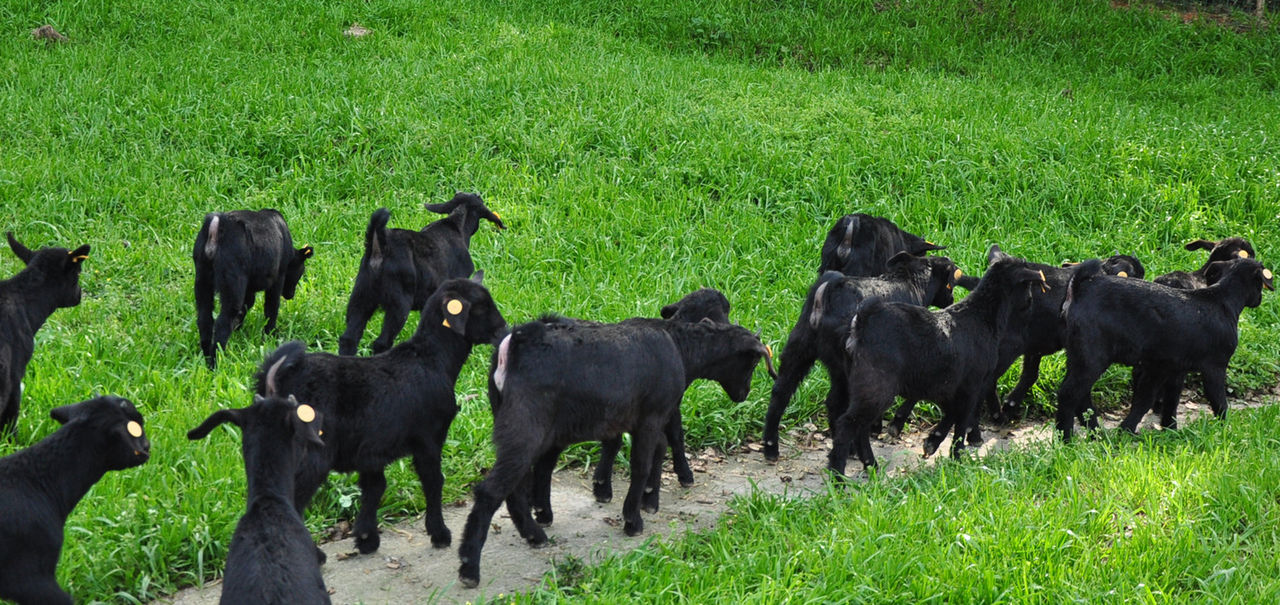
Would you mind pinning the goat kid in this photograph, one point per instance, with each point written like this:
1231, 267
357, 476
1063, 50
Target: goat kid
401, 267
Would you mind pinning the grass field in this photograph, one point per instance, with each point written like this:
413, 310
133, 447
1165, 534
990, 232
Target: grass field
637, 151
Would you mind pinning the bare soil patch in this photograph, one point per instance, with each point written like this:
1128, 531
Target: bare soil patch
406, 569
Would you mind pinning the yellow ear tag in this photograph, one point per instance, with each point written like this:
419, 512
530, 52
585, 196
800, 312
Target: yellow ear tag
76, 259
306, 413
1122, 274
958, 274
497, 215
134, 428
454, 306
768, 351
445, 323
1242, 254
1266, 273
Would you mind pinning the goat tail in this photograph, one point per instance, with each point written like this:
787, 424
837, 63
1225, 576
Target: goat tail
375, 235
1079, 282
858, 324
279, 364
846, 244
208, 239
819, 296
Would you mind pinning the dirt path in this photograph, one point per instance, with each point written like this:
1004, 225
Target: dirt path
407, 570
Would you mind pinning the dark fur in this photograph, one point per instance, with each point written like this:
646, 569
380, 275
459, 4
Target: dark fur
382, 408
1042, 334
820, 332
272, 558
861, 245
706, 304
562, 382
1220, 253
51, 280
947, 356
1160, 331
238, 254
41, 485
401, 268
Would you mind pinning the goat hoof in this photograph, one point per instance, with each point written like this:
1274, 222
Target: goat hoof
633, 529
367, 543
537, 539
931, 446
686, 483
442, 541
974, 437
1172, 426
649, 508
893, 431
320, 556
603, 492
544, 518
468, 581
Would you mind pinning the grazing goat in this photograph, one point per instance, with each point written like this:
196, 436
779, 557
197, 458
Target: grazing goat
861, 244
272, 558
947, 356
382, 408
556, 383
401, 268
1161, 332
1208, 274
706, 304
238, 254
820, 332
39, 487
51, 280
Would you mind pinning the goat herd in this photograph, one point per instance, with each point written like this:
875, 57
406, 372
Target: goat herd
556, 381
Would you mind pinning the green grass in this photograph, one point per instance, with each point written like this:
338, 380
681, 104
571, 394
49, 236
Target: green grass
637, 151
1185, 517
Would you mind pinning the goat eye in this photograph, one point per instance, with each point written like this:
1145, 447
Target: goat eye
134, 428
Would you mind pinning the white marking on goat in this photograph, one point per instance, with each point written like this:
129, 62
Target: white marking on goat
454, 306
211, 243
815, 316
306, 413
134, 428
500, 372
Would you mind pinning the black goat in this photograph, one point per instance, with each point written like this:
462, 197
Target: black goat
1230, 248
820, 332
1161, 332
382, 408
401, 268
238, 254
557, 383
706, 304
947, 356
861, 244
272, 558
1208, 274
39, 487
51, 280
1042, 334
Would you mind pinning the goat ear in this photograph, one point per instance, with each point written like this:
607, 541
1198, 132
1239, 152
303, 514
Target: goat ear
478, 277
21, 251
215, 419
455, 311
899, 259
305, 252
66, 413
921, 246
444, 208
78, 255
1201, 244
668, 310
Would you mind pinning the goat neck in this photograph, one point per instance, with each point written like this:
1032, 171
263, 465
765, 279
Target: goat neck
432, 340
71, 455
701, 345
269, 465
31, 310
